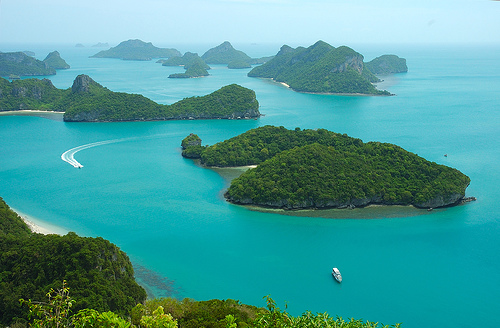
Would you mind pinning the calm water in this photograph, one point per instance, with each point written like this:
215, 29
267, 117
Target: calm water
434, 269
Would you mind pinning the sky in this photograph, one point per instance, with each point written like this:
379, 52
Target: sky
298, 22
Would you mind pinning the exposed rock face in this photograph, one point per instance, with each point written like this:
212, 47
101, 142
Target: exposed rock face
82, 84
438, 201
355, 62
441, 201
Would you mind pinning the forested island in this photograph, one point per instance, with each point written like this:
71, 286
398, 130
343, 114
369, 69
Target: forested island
192, 63
54, 60
88, 101
302, 169
320, 68
227, 55
21, 64
72, 281
387, 64
137, 50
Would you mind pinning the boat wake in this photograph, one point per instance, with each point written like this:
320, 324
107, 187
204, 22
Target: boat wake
69, 155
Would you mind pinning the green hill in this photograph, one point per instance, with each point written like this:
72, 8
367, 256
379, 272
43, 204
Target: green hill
88, 101
99, 273
194, 65
387, 64
320, 68
18, 63
322, 169
54, 60
136, 50
224, 54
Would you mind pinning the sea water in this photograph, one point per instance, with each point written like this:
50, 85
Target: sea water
429, 269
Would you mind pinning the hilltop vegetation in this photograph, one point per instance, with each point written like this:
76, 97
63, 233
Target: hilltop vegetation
100, 274
18, 63
137, 50
88, 101
320, 169
193, 64
54, 60
234, 59
320, 68
224, 54
387, 64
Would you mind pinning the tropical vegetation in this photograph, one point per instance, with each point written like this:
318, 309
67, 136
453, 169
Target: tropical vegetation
319, 168
88, 101
320, 68
54, 60
387, 64
18, 63
100, 274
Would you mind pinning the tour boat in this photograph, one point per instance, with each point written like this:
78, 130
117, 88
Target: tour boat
336, 274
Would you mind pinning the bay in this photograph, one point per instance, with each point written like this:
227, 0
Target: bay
433, 269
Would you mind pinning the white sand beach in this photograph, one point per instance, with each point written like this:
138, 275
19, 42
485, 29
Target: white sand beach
41, 227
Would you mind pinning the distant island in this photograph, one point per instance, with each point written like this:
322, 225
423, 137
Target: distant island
88, 101
136, 50
304, 169
101, 45
320, 68
234, 59
21, 64
387, 64
193, 64
54, 60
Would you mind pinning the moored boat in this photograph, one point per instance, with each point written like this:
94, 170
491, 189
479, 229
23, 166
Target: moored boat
336, 274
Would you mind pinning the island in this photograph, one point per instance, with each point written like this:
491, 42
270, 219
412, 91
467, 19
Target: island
137, 50
387, 64
88, 101
317, 169
54, 60
320, 68
193, 64
234, 59
18, 63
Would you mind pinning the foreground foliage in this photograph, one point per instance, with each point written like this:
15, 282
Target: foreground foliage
186, 314
31, 264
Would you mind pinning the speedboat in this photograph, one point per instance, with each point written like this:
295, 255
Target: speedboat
336, 274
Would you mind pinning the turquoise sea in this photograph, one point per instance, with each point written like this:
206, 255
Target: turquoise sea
430, 269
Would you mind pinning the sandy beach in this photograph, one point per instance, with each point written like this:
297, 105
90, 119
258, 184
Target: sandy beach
57, 116
38, 226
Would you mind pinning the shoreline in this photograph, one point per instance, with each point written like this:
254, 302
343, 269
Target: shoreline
38, 226
52, 115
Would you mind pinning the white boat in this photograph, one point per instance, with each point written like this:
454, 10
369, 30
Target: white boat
336, 274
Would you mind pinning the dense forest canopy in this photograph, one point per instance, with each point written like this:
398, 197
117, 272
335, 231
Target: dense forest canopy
319, 168
320, 68
100, 274
88, 101
18, 63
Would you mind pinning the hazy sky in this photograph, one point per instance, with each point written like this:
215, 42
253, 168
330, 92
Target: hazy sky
276, 21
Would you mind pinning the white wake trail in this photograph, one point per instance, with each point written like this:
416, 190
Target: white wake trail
69, 155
